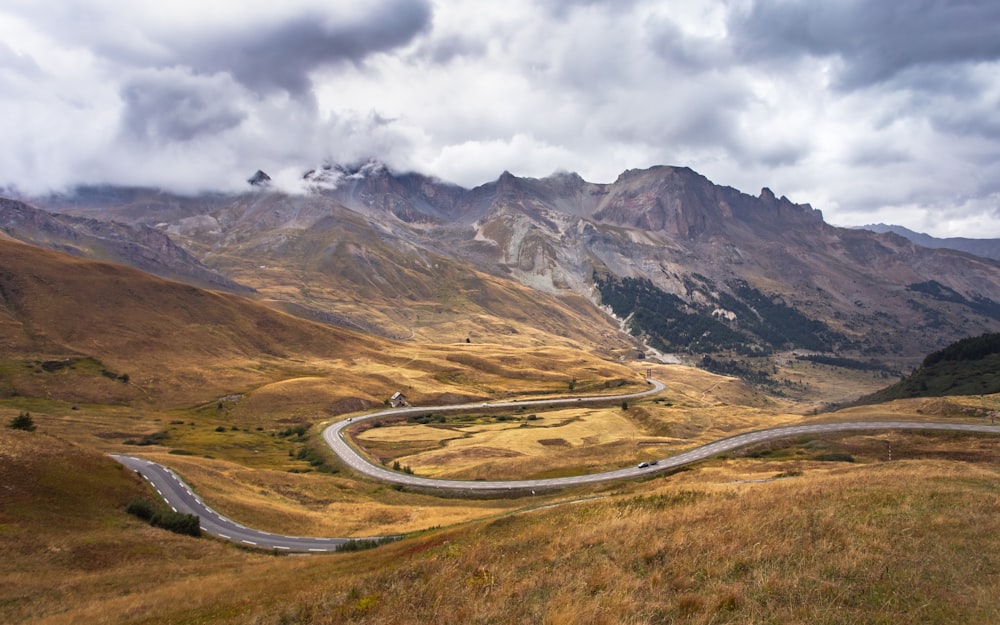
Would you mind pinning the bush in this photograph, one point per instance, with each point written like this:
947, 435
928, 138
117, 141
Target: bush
22, 421
159, 516
360, 544
156, 438
297, 430
835, 456
178, 522
142, 508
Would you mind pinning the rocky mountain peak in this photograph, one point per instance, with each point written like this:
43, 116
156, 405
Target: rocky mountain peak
259, 179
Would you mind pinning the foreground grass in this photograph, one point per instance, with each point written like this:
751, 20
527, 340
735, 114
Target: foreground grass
913, 540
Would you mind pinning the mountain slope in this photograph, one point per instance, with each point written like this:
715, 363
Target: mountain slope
968, 367
402, 254
987, 248
140, 246
154, 333
77, 330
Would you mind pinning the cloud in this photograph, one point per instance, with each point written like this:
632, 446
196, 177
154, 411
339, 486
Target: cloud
282, 55
863, 109
175, 105
876, 41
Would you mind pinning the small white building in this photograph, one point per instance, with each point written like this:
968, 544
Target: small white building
397, 400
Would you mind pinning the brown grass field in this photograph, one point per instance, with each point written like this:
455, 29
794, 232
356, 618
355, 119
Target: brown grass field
879, 528
758, 539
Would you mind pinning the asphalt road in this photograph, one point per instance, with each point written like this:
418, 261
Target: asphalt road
178, 496
182, 499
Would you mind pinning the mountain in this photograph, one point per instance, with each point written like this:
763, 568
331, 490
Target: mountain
970, 366
146, 336
688, 266
987, 248
140, 246
78, 330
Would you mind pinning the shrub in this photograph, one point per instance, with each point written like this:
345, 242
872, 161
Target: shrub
142, 508
22, 421
177, 522
835, 456
160, 516
155, 438
360, 544
296, 430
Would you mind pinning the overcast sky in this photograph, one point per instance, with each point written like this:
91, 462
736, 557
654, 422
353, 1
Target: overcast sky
869, 110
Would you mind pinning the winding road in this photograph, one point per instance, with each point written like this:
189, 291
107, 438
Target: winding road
182, 499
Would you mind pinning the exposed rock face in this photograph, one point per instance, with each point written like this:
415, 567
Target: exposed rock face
259, 179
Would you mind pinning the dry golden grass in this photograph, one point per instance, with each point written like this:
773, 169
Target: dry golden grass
316, 504
912, 540
696, 408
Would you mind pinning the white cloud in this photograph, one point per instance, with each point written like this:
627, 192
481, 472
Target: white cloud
868, 114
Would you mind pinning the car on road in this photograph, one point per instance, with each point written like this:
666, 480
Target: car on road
642, 465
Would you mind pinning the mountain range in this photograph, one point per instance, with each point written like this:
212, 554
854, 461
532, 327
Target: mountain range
987, 248
688, 267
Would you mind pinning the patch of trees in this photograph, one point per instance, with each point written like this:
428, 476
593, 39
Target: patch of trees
665, 319
979, 303
298, 431
316, 459
970, 366
396, 466
426, 418
972, 348
843, 363
763, 322
738, 370
163, 517
780, 325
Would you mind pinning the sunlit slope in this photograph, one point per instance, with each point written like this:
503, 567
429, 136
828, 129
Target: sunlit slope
109, 333
152, 333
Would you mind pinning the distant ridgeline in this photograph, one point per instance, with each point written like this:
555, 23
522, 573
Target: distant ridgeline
968, 367
736, 318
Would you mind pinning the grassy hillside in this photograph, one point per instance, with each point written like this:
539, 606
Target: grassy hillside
743, 540
82, 331
232, 394
968, 367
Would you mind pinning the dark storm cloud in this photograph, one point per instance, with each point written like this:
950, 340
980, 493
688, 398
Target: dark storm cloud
282, 55
174, 106
876, 40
